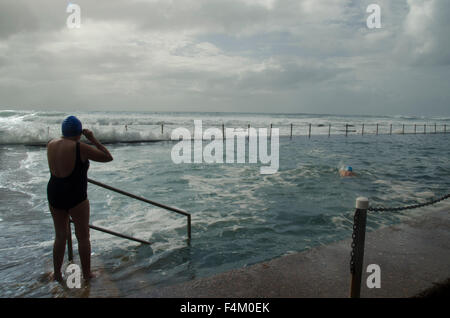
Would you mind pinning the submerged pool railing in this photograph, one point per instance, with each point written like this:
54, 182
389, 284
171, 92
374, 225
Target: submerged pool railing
97, 228
359, 234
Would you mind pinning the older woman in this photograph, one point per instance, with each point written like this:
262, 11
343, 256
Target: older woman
68, 160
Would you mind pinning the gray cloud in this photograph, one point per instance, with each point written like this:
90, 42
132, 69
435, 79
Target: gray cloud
227, 55
15, 17
426, 29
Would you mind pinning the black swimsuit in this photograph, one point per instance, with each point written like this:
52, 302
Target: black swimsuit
66, 193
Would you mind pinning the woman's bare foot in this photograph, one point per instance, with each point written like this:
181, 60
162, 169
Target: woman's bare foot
92, 275
47, 277
57, 277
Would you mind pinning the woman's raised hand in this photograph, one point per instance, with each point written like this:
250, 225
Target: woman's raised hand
88, 134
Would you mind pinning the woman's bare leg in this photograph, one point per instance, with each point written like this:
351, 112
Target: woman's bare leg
80, 217
61, 224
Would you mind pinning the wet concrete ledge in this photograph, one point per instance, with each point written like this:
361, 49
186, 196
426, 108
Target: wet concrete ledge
413, 256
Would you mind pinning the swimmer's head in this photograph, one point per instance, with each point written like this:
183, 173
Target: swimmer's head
71, 127
349, 168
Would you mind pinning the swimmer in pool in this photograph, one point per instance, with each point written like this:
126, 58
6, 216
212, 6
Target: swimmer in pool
347, 172
68, 160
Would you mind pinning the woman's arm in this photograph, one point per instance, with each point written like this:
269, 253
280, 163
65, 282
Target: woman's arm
100, 153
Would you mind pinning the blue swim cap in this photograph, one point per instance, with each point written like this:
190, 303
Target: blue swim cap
71, 127
349, 168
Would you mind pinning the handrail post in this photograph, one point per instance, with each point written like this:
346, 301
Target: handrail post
390, 130
69, 243
291, 130
425, 128
415, 128
377, 129
329, 130
309, 131
357, 254
403, 129
362, 130
346, 130
189, 227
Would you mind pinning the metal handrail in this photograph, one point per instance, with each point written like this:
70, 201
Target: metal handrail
166, 207
101, 229
97, 228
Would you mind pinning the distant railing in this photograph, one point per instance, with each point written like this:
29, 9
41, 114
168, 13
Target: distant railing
161, 132
307, 129
97, 228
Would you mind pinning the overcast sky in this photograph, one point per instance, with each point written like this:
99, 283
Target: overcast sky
313, 56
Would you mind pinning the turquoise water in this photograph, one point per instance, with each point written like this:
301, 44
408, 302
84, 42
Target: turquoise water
239, 216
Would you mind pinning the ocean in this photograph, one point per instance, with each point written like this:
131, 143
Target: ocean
239, 216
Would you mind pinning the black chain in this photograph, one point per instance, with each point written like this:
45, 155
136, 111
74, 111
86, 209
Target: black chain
380, 209
352, 253
409, 207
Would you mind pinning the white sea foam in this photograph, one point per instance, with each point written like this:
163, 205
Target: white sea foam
37, 127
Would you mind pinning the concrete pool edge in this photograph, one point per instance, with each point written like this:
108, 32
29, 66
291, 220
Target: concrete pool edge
413, 257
